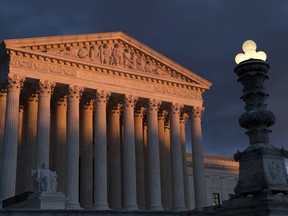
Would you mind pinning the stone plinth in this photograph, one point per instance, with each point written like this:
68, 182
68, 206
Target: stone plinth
263, 205
42, 200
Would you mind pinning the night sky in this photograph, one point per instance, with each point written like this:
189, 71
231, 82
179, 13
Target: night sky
203, 36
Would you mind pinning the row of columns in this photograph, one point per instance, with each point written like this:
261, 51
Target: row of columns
144, 181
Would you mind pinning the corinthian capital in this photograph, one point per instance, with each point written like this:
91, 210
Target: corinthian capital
183, 118
176, 108
154, 104
197, 112
15, 82
46, 86
116, 108
130, 101
75, 92
3, 92
140, 112
102, 96
163, 115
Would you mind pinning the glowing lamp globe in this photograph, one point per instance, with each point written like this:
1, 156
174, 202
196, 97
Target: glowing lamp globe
249, 48
249, 45
262, 55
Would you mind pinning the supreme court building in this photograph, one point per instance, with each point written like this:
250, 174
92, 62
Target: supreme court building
108, 114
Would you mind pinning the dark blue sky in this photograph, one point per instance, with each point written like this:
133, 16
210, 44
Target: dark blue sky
203, 36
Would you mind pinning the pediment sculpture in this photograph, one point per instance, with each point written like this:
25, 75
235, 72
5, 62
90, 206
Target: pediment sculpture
116, 54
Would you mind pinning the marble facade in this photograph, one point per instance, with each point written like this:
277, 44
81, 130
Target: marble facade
106, 113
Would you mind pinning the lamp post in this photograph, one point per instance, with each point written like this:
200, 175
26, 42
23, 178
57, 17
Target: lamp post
262, 187
262, 166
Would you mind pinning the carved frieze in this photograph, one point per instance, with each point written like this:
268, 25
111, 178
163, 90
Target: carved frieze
121, 80
42, 66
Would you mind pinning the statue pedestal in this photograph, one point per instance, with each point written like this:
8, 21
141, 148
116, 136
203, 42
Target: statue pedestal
43, 200
264, 205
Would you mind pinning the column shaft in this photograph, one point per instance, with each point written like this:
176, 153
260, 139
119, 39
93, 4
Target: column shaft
60, 141
86, 175
100, 152
10, 140
72, 148
183, 120
128, 155
197, 157
114, 140
20, 154
167, 169
176, 159
43, 123
3, 95
163, 160
140, 157
29, 148
153, 158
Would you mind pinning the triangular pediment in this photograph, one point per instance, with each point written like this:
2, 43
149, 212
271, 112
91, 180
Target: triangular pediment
109, 50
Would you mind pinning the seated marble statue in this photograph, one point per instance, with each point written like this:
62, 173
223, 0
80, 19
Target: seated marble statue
44, 179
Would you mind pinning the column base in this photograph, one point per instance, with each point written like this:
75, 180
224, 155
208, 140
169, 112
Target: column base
101, 207
70, 205
132, 207
179, 208
155, 208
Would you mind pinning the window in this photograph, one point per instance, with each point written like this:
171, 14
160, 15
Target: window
215, 199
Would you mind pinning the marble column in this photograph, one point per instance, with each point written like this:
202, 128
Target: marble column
21, 142
145, 158
72, 148
59, 155
140, 157
153, 157
168, 181
176, 159
86, 147
128, 155
29, 146
100, 152
163, 160
183, 120
114, 140
43, 123
197, 157
10, 139
3, 95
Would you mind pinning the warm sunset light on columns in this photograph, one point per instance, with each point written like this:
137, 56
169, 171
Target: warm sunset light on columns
115, 164
10, 140
72, 147
43, 122
153, 157
140, 157
100, 151
129, 154
86, 153
176, 159
197, 157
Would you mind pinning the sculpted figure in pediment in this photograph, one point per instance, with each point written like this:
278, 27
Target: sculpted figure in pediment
106, 54
95, 54
128, 59
140, 63
83, 53
116, 55
149, 67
